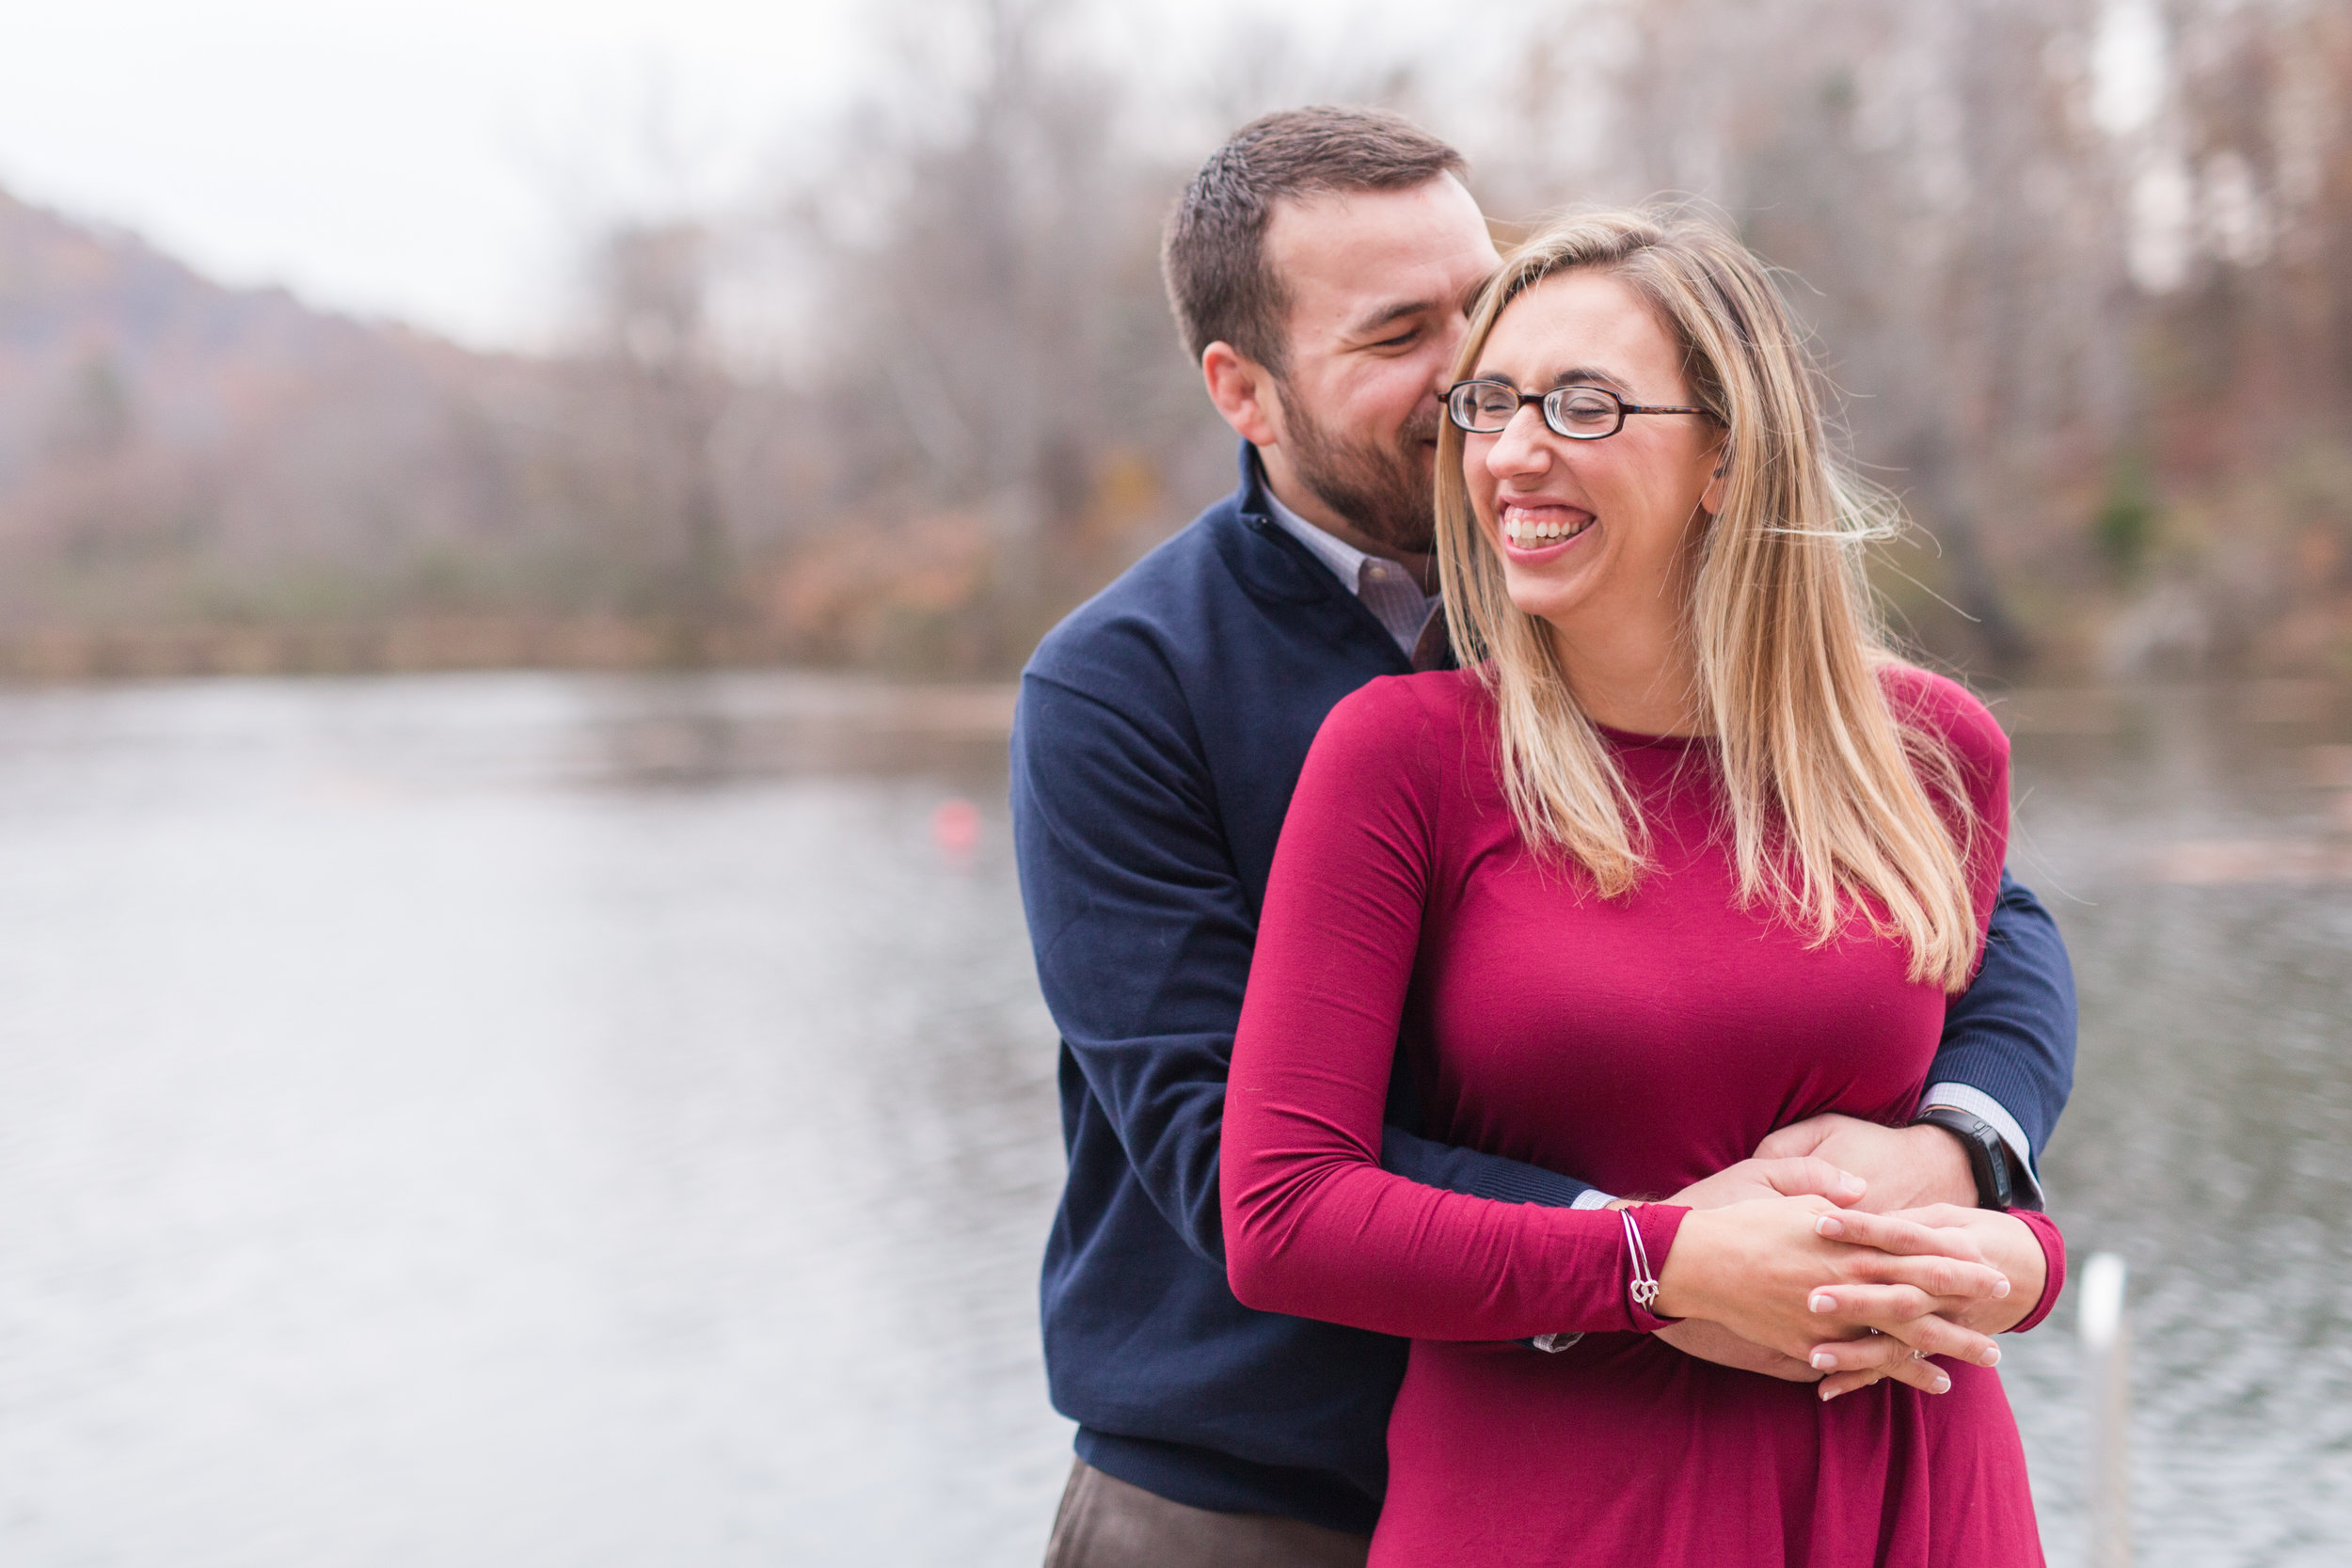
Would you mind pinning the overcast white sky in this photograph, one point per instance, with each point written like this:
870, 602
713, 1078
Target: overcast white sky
439, 160
425, 159
433, 160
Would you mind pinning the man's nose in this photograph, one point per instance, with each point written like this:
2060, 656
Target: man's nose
1448, 346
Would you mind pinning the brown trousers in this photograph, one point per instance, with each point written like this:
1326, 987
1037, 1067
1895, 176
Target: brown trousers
1106, 1523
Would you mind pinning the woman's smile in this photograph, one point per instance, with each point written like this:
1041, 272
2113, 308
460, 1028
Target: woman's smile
1534, 529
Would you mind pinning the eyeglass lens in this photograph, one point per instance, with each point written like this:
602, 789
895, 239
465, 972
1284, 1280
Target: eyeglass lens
1580, 413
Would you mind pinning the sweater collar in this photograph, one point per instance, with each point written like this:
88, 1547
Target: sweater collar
1263, 556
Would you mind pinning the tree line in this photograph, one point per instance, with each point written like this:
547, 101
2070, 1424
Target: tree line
2077, 266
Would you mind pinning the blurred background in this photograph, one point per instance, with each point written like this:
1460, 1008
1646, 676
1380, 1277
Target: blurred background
516, 1036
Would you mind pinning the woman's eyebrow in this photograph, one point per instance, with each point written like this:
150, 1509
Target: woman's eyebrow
1586, 375
1580, 375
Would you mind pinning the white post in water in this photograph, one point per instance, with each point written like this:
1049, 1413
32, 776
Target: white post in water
2107, 1332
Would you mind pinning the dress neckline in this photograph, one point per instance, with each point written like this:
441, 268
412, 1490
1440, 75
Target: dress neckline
1633, 739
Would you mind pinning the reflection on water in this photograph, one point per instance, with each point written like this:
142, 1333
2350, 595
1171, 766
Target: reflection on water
516, 1120
2197, 849
577, 1121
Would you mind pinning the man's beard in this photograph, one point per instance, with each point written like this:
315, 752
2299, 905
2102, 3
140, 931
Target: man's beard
1382, 491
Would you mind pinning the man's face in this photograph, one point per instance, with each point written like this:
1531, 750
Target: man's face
1381, 282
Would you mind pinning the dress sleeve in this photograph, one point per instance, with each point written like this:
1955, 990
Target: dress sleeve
1313, 1226
2044, 1230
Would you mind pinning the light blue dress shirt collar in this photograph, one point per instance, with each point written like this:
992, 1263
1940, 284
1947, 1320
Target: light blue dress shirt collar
1387, 589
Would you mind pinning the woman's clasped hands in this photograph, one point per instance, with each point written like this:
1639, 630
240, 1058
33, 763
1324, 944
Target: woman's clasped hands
1798, 1284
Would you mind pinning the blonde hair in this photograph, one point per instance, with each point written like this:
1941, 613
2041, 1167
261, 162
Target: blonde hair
1823, 783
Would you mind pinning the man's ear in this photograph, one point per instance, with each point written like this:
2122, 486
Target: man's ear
1243, 393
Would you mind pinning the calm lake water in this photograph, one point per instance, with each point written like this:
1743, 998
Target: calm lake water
577, 1121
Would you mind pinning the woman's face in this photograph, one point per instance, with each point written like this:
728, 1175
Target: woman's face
1591, 533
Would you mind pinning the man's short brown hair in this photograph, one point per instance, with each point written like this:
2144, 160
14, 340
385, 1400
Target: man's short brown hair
1213, 254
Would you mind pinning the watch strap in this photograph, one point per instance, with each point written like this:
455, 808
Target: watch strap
1988, 1155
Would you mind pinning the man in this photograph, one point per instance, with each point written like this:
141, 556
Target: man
1320, 266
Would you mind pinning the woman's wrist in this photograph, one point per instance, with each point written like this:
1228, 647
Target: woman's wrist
2011, 1246
1682, 1273
2050, 1249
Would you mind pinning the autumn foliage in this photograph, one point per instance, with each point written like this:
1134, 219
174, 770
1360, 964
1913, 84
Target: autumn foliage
2078, 267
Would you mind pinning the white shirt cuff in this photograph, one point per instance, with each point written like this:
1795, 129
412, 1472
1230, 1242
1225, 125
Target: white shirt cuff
1592, 1198
1966, 1096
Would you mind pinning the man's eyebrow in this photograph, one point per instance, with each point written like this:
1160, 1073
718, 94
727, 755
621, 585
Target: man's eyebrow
1390, 314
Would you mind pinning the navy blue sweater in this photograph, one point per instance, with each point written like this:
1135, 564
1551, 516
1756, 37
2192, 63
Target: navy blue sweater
1160, 733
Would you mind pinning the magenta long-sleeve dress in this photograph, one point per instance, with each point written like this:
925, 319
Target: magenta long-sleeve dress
1641, 1044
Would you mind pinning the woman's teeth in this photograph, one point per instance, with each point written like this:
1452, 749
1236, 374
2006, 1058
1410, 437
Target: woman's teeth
1528, 531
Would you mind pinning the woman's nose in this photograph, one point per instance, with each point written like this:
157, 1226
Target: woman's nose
1521, 449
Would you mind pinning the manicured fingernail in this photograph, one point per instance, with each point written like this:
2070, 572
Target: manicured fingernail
1942, 1384
1992, 1357
1827, 1225
1824, 1362
1850, 1184
1829, 1393
1823, 1303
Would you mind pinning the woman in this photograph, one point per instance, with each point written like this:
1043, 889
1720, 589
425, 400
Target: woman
1684, 856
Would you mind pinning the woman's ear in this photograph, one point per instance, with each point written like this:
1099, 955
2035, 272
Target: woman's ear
1712, 498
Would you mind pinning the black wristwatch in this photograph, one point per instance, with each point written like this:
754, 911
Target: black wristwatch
1988, 1154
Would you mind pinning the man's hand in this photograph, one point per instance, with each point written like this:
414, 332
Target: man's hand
1707, 1342
1793, 1176
1860, 1362
1907, 1167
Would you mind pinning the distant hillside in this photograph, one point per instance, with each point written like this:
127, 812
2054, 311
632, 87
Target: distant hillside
181, 460
150, 418
103, 338
194, 477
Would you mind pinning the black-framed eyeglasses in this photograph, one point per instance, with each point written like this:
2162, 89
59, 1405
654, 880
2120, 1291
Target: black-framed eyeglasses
1579, 413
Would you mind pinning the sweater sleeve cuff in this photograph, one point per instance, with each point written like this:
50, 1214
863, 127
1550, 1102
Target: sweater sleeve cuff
2053, 1265
1509, 1181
